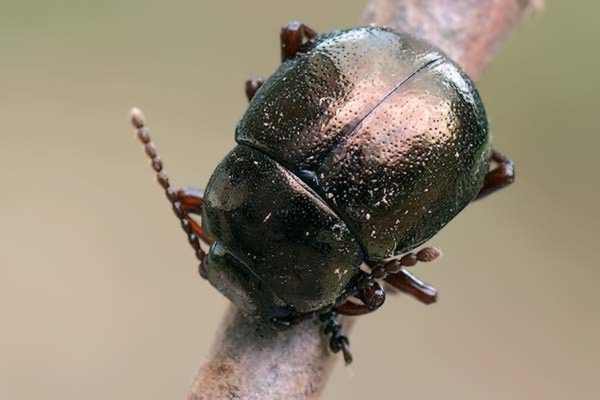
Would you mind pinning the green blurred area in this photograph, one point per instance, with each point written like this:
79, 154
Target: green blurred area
98, 292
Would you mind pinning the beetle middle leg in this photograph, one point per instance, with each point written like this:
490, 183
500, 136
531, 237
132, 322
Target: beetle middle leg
184, 202
293, 37
499, 177
191, 201
399, 278
394, 273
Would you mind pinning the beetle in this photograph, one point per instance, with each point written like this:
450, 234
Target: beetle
360, 147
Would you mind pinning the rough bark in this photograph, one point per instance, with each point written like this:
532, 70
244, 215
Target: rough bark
250, 360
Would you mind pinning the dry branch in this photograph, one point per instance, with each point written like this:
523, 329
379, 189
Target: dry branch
469, 31
250, 360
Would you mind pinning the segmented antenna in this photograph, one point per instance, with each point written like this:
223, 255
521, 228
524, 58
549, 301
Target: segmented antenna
143, 134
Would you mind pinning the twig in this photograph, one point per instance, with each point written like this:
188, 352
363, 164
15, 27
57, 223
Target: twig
250, 360
469, 31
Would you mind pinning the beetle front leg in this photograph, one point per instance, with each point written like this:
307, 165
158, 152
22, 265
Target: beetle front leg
370, 293
191, 201
293, 37
499, 177
252, 86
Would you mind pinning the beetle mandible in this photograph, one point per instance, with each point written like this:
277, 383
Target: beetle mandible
360, 147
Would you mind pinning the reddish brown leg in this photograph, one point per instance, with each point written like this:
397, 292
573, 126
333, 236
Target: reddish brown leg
191, 201
183, 201
351, 308
426, 254
396, 276
393, 272
252, 86
407, 283
371, 295
293, 38
499, 177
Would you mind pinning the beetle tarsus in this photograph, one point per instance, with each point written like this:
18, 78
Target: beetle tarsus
252, 86
294, 38
337, 341
499, 177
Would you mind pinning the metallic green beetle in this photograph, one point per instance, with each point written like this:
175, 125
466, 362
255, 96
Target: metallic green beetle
359, 148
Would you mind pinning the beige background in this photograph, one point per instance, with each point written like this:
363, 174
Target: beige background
99, 298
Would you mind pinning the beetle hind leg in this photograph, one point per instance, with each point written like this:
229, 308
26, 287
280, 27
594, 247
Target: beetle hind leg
499, 177
184, 202
294, 37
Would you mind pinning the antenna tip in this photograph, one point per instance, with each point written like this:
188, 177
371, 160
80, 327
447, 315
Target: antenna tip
137, 118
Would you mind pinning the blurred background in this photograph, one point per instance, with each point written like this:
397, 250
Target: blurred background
99, 296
